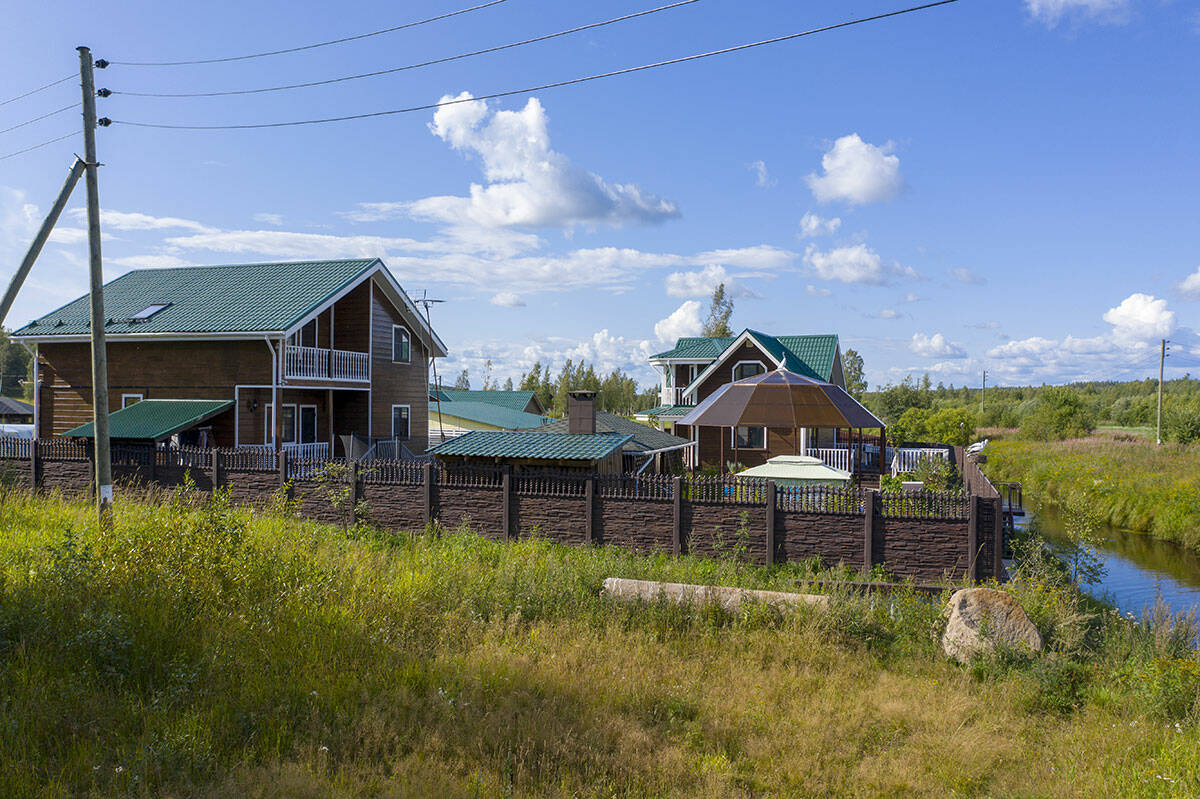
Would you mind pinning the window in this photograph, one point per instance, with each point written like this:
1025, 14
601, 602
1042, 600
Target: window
750, 437
288, 434
148, 311
307, 337
400, 420
401, 344
130, 399
744, 369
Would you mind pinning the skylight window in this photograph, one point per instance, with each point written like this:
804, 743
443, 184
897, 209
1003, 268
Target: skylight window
150, 310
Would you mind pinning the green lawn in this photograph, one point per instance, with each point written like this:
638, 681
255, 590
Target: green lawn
202, 651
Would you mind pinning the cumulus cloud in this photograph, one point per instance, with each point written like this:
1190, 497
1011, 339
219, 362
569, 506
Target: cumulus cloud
1051, 12
888, 313
855, 264
1189, 287
126, 220
508, 299
704, 282
604, 350
812, 226
857, 172
269, 219
935, 346
762, 178
529, 184
813, 291
1140, 317
969, 276
683, 321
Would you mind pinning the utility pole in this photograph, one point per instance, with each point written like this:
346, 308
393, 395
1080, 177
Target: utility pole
982, 392
104, 490
1162, 357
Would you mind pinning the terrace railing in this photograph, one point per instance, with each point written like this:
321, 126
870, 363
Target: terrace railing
907, 459
318, 363
834, 457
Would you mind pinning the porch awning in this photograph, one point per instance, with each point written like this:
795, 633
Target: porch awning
155, 419
780, 399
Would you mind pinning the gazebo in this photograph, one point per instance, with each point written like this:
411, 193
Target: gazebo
784, 401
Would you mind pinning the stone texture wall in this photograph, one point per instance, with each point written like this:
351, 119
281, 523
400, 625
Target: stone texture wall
833, 539
562, 519
642, 525
250, 487
396, 507
714, 530
481, 508
927, 549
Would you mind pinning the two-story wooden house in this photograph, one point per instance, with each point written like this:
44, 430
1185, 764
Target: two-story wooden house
337, 346
697, 366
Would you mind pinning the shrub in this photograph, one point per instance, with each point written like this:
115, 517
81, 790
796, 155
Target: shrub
1057, 413
911, 426
951, 426
1181, 421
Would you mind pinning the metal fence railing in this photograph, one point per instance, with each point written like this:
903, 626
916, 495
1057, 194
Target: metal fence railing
925, 504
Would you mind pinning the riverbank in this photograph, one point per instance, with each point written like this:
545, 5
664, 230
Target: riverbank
205, 651
1128, 482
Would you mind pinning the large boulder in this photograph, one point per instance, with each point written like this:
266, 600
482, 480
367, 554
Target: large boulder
981, 618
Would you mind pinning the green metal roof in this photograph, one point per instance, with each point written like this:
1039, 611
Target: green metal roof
642, 437
516, 400
667, 411
208, 299
155, 419
811, 356
487, 414
533, 445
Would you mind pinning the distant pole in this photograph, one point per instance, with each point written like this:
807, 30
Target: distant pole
983, 393
1162, 357
104, 491
39, 240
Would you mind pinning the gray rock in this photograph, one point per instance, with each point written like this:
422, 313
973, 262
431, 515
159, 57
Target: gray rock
981, 618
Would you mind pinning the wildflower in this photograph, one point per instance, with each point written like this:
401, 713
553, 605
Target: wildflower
119, 769
323, 748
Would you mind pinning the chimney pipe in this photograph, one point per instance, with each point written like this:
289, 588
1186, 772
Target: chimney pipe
581, 412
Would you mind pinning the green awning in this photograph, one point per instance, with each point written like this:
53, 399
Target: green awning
156, 419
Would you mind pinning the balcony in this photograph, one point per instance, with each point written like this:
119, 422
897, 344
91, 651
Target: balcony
672, 396
317, 363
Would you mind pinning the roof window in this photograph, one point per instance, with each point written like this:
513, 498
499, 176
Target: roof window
149, 311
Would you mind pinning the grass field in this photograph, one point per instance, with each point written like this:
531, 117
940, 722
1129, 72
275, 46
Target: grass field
1128, 481
202, 651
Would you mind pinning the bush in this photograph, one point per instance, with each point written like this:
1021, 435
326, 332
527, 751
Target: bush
951, 426
1181, 421
911, 426
1057, 413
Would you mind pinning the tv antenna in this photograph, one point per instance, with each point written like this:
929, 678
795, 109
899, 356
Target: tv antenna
425, 301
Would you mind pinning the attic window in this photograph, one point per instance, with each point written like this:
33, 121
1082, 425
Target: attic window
150, 310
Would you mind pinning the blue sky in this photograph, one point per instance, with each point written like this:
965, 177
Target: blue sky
1006, 185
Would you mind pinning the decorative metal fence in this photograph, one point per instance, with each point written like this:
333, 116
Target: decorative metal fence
628, 486
726, 490
821, 499
11, 447
925, 504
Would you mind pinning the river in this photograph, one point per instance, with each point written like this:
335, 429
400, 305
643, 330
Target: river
1138, 568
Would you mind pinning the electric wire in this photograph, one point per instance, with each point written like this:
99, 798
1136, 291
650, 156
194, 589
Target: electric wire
417, 65
43, 116
38, 146
38, 89
343, 40
544, 86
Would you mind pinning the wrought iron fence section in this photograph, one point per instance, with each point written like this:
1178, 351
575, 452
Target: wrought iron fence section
821, 499
924, 504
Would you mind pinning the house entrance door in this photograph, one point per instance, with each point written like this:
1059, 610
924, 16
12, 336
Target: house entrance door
308, 424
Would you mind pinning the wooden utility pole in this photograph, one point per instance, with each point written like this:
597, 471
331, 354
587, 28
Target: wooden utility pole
983, 392
1162, 357
104, 491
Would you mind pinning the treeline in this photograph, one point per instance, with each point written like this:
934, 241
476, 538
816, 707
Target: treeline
1040, 412
618, 391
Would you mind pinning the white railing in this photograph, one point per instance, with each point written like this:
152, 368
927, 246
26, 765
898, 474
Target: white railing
348, 365
836, 457
322, 364
906, 459
318, 450
671, 396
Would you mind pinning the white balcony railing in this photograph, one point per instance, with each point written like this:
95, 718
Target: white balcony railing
671, 396
318, 363
907, 459
836, 457
316, 451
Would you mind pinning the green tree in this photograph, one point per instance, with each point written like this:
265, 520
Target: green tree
852, 371
508, 384
912, 426
719, 313
951, 426
463, 381
1058, 412
15, 366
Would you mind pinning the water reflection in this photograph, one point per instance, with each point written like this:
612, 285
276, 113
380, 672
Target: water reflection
1139, 568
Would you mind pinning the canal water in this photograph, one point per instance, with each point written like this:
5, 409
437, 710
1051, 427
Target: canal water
1138, 569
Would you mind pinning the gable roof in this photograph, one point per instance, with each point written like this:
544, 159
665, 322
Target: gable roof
812, 355
642, 437
14, 407
486, 413
155, 419
516, 400
227, 299
532, 445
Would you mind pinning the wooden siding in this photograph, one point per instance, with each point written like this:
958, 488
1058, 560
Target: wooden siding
724, 372
397, 383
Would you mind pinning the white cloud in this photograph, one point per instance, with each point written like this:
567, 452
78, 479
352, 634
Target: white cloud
969, 276
269, 219
683, 321
812, 225
855, 264
125, 220
704, 282
910, 297
1189, 287
509, 358
529, 184
762, 178
1051, 12
935, 346
857, 172
813, 291
508, 299
888, 313
1140, 317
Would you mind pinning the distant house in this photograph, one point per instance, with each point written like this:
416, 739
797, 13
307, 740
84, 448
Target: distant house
698, 366
337, 345
14, 411
450, 418
524, 401
645, 442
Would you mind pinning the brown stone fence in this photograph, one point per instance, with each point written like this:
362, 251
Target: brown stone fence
923, 535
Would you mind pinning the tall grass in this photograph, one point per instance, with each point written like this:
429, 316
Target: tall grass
1129, 482
201, 650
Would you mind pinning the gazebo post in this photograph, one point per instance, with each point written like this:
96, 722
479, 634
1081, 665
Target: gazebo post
721, 465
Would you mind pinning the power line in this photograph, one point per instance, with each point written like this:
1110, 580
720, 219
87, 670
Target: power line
307, 46
417, 65
43, 116
573, 81
38, 89
37, 146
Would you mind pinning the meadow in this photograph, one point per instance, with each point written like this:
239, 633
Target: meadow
201, 650
1125, 479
